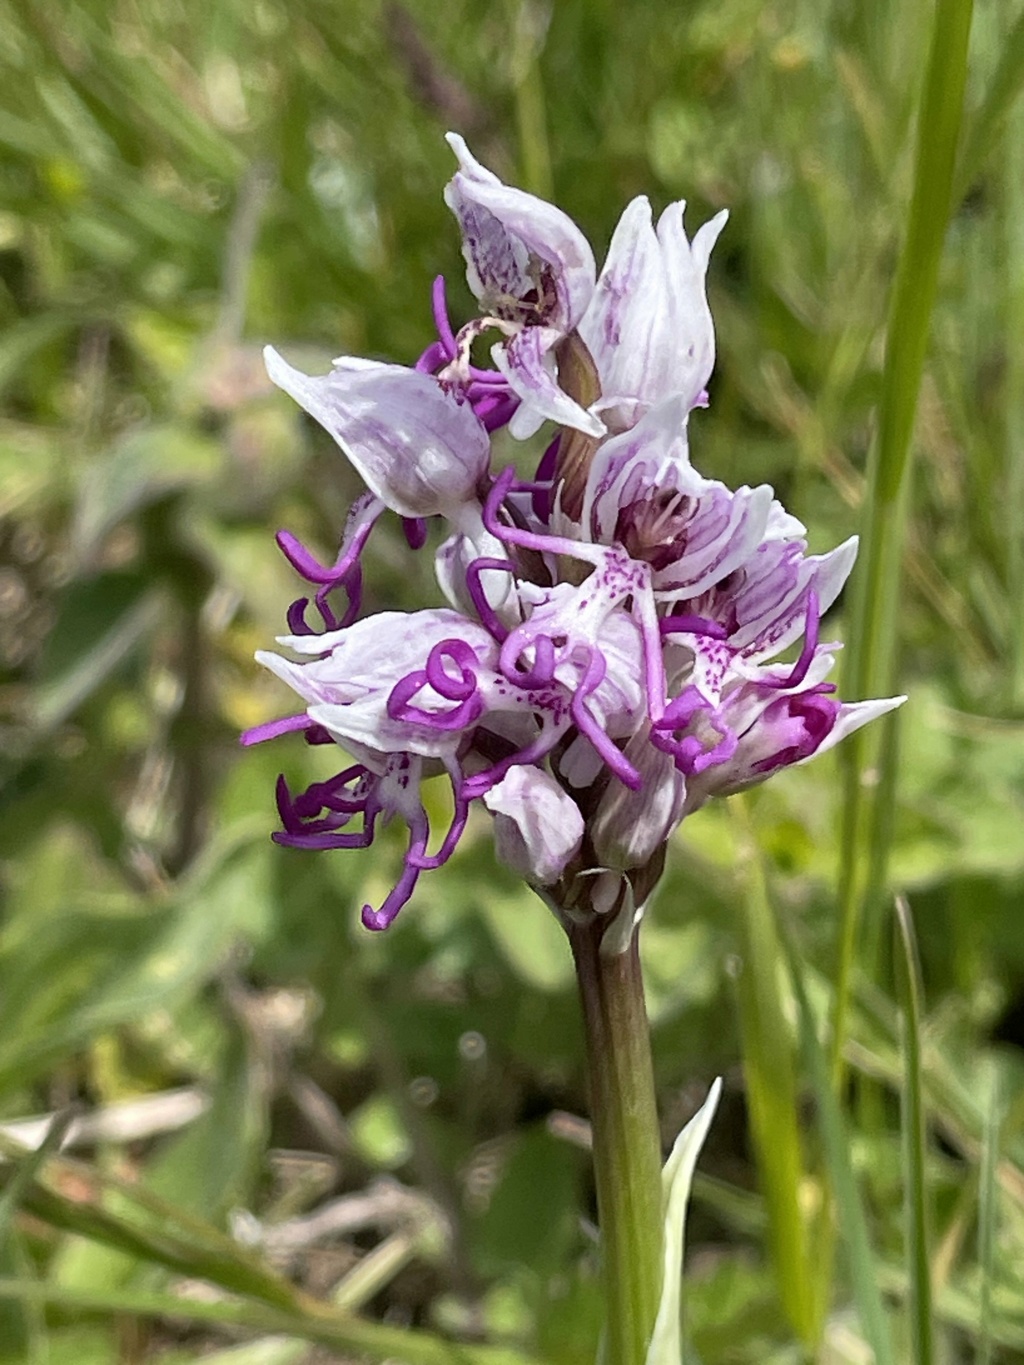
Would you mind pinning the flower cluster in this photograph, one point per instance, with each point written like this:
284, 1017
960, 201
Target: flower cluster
608, 660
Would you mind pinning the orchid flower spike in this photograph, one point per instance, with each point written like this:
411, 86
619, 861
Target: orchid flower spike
625, 638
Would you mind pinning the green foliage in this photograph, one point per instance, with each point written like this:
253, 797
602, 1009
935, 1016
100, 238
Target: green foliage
182, 183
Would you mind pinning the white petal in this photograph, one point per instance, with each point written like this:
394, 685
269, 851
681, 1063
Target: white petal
538, 827
686, 267
525, 259
627, 327
415, 446
648, 326
652, 455
629, 826
852, 715
527, 361
832, 570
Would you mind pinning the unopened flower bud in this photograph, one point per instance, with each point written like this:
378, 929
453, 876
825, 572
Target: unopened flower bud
630, 825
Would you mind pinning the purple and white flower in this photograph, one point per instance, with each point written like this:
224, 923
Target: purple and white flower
609, 659
648, 326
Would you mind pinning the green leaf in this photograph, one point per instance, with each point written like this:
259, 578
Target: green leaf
99, 971
206, 1170
666, 1346
530, 1219
144, 468
211, 1166
530, 938
102, 621
20, 343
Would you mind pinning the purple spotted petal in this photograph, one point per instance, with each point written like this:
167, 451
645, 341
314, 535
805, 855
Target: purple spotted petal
643, 492
785, 730
526, 261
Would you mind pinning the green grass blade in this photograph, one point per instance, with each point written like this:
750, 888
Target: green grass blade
22, 1332
1012, 224
922, 1331
371, 1340
849, 1207
771, 1089
136, 1222
24, 1174
918, 271
987, 1219
870, 663
987, 122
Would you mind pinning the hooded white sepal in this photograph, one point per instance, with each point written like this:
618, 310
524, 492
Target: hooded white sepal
666, 1346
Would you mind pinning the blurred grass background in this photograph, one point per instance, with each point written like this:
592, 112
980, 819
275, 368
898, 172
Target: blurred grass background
395, 1120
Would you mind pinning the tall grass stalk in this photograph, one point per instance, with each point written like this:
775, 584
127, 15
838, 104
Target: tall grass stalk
851, 1219
988, 1192
770, 1079
871, 658
1013, 391
915, 1191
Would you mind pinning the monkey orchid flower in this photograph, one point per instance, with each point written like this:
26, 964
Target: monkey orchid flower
609, 658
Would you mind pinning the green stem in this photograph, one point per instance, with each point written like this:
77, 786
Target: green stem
627, 1146
873, 637
1013, 386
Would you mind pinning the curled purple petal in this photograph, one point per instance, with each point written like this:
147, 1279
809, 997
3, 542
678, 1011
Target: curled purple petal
488, 616
441, 321
396, 899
